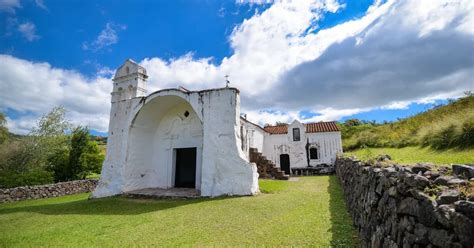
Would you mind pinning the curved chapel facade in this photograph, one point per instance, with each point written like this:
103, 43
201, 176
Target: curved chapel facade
193, 139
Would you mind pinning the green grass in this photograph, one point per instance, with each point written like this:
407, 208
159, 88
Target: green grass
309, 212
441, 127
412, 155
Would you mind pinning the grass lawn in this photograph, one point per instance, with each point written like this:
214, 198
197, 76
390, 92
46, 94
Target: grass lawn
412, 155
309, 212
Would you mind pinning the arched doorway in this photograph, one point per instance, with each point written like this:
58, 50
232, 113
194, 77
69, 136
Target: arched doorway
165, 146
285, 163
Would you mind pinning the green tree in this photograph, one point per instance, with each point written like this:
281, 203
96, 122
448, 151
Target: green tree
91, 159
28, 161
352, 122
84, 157
3, 128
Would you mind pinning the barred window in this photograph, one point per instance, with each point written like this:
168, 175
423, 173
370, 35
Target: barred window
296, 134
313, 153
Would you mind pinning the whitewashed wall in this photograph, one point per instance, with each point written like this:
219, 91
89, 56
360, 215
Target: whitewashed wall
328, 144
144, 131
252, 136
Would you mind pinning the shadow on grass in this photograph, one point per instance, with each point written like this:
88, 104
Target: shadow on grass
343, 232
109, 206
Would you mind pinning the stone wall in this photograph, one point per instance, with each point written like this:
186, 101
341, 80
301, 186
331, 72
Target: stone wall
397, 206
47, 191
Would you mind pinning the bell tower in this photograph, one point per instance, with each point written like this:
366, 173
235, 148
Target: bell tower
129, 81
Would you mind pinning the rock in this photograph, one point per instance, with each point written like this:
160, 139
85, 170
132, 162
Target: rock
443, 169
465, 171
431, 175
421, 234
389, 171
439, 237
448, 196
465, 207
425, 212
388, 243
409, 239
421, 168
443, 215
390, 208
408, 206
392, 191
464, 229
443, 180
46, 191
417, 181
456, 181
383, 157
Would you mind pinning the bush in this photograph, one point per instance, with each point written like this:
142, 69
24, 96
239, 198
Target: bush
465, 138
443, 138
447, 126
91, 160
37, 176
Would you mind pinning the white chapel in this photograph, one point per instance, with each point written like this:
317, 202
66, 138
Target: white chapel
176, 138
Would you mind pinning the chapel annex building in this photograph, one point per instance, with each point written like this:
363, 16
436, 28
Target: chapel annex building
176, 138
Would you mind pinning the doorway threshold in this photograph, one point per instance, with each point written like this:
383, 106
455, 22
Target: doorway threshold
171, 193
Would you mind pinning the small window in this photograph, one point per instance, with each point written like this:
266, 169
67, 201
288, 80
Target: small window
296, 134
186, 114
313, 153
127, 70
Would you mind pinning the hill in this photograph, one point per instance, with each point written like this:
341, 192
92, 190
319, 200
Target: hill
442, 127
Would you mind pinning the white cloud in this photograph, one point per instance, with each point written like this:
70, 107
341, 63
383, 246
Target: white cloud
259, 2
28, 31
107, 37
35, 88
400, 57
40, 3
398, 53
9, 5
335, 72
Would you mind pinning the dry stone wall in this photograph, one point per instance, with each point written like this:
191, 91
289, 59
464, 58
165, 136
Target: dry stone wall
397, 206
47, 191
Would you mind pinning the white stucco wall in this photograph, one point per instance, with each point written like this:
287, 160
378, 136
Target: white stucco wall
145, 131
252, 136
160, 128
328, 144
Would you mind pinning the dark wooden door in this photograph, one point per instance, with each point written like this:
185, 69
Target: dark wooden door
185, 176
285, 163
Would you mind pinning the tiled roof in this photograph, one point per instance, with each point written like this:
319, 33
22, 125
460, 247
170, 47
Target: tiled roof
320, 127
280, 129
316, 127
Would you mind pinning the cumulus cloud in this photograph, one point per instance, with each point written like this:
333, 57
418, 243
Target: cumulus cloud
28, 31
40, 4
398, 53
254, 1
413, 52
107, 37
9, 5
35, 88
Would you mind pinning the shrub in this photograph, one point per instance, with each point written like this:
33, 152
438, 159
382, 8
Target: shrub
444, 137
36, 176
465, 138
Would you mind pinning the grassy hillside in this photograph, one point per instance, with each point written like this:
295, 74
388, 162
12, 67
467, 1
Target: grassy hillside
413, 155
443, 127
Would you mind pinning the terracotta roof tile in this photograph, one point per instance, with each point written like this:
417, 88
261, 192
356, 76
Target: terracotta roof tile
316, 127
280, 129
320, 127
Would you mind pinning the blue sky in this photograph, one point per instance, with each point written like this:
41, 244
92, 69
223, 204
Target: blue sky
64, 53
